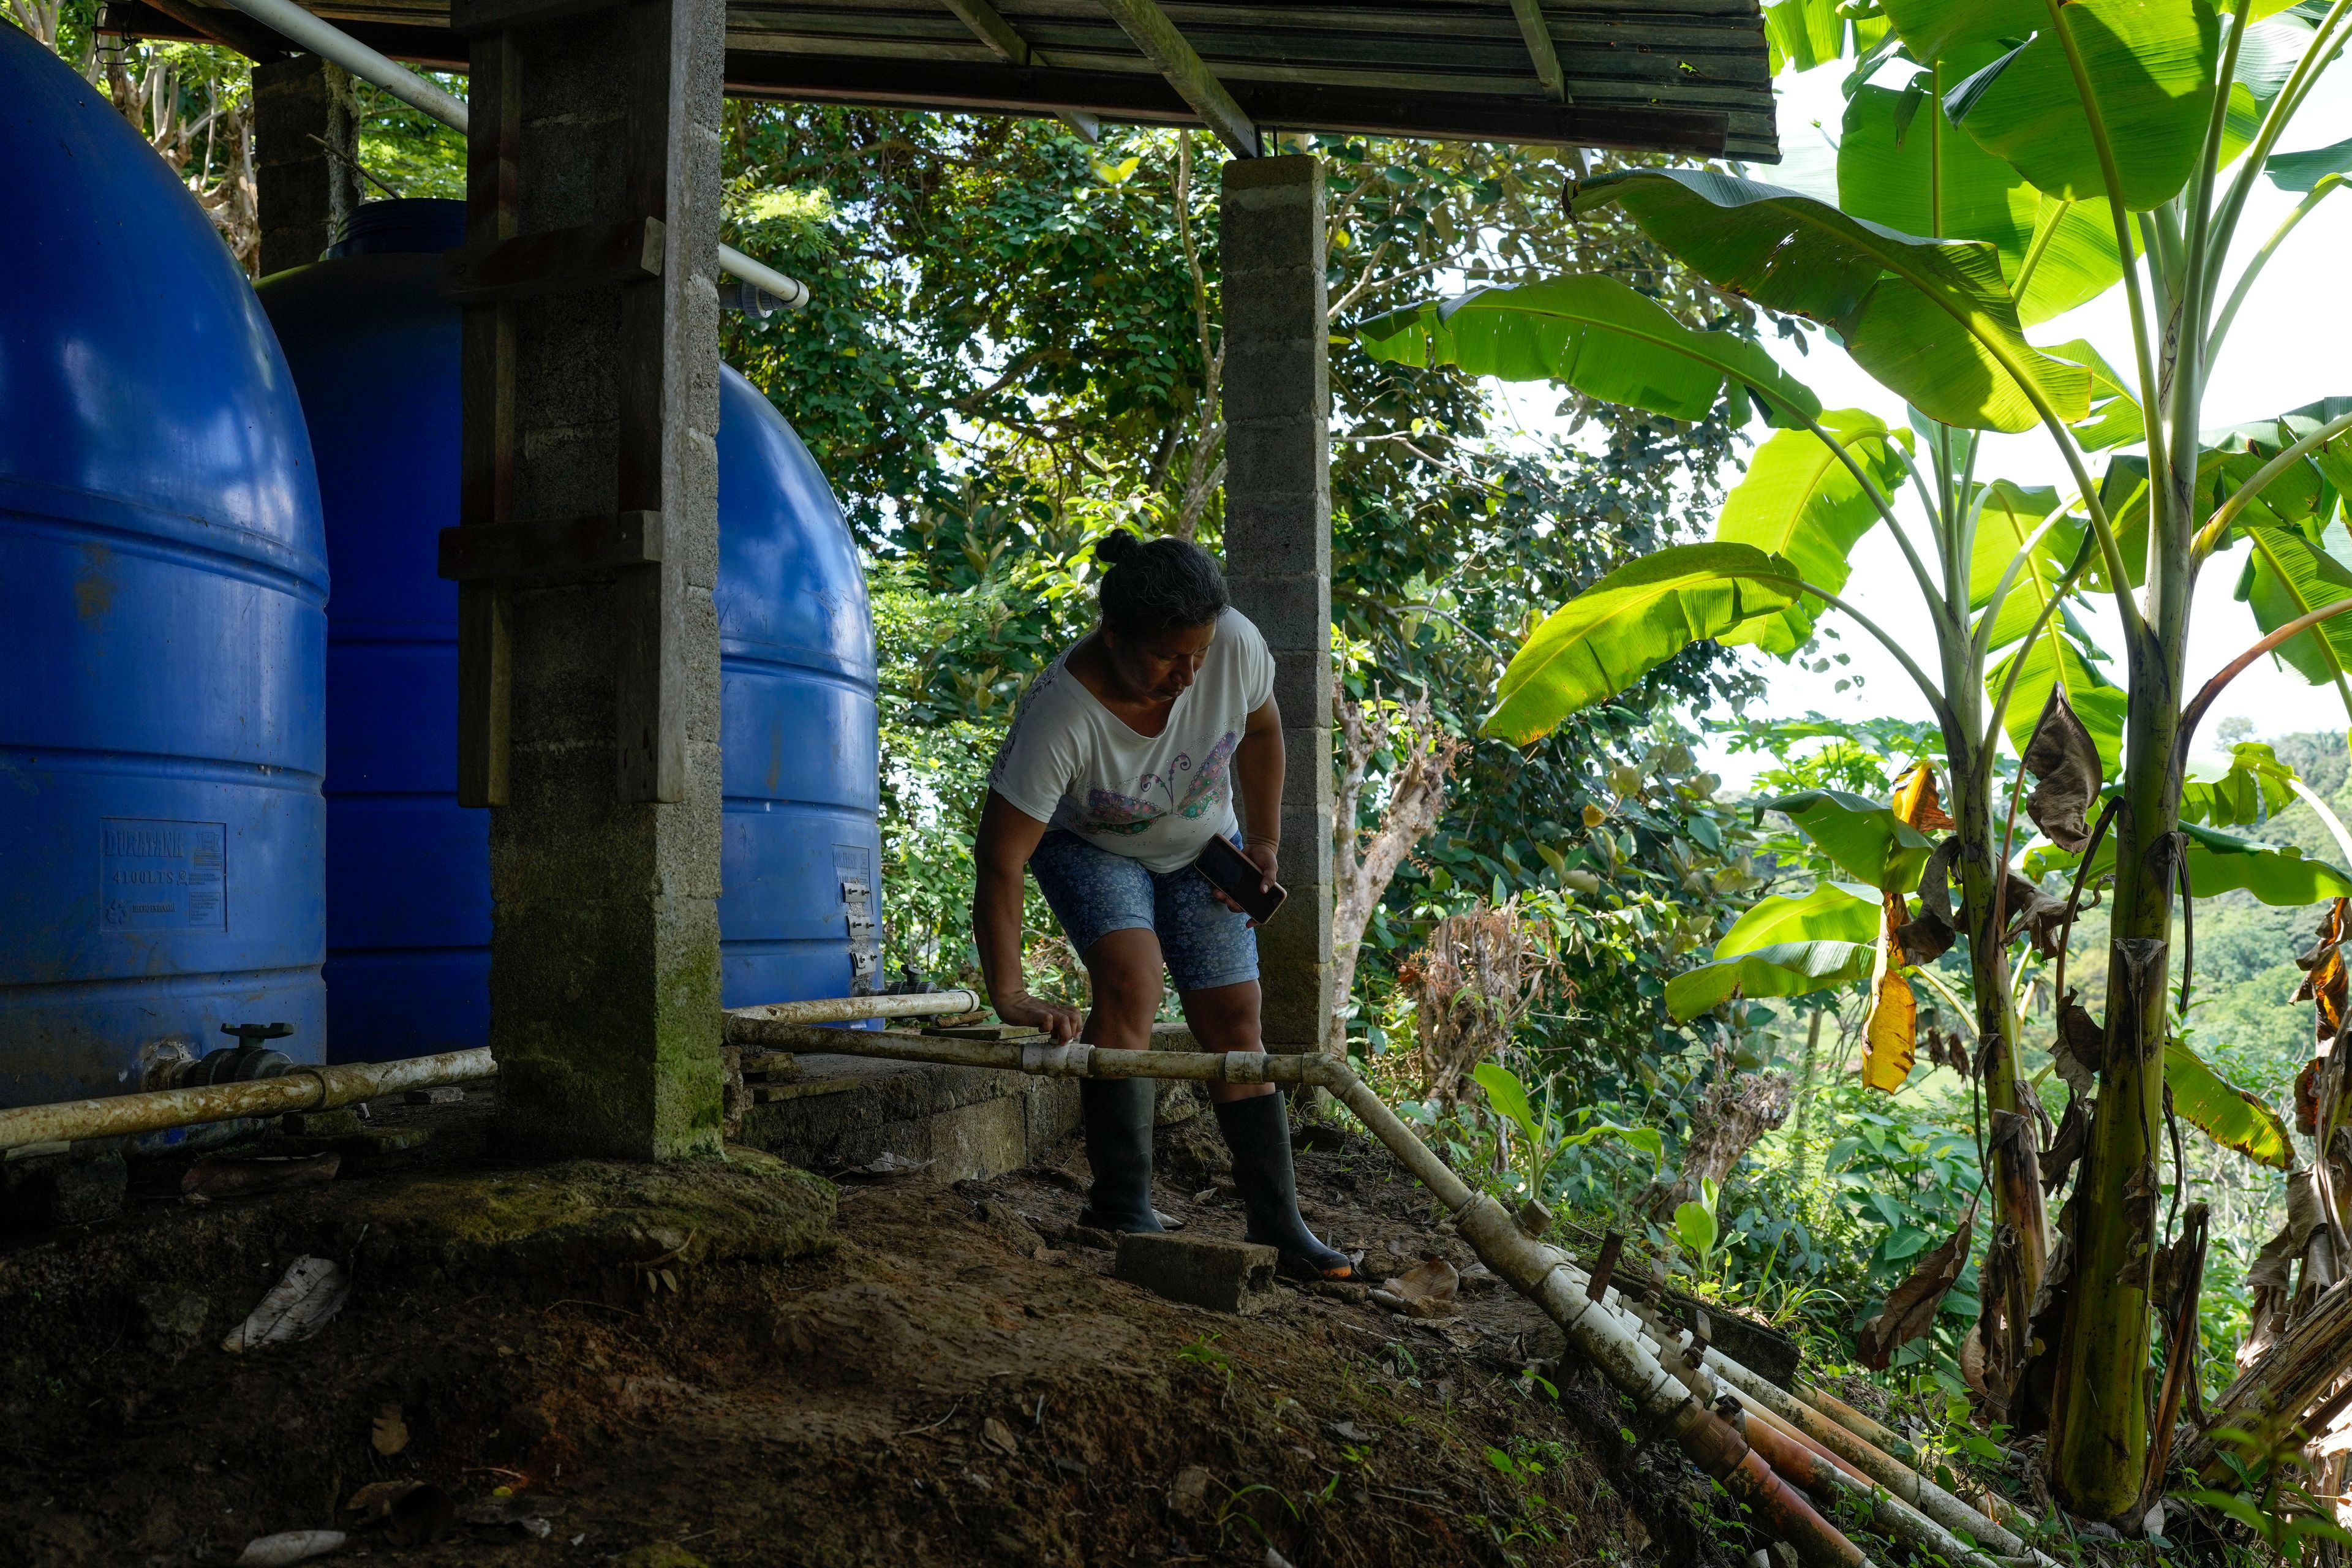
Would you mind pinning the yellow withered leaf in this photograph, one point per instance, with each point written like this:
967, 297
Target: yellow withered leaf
1915, 801
1890, 1038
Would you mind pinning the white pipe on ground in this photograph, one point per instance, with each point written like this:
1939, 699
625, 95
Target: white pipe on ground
330, 42
300, 1088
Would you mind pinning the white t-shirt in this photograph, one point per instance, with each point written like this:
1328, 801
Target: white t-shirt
1071, 761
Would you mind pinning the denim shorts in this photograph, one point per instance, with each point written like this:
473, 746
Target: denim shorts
1095, 892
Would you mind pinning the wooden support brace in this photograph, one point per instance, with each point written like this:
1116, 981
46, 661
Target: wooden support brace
593, 256
993, 30
1168, 51
552, 548
1538, 35
487, 436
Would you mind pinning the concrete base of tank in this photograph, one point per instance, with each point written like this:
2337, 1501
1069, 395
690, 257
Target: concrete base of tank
958, 1123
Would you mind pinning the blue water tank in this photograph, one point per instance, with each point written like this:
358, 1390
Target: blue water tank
374, 350
162, 619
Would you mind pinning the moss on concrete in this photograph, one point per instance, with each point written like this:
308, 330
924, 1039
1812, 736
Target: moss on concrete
585, 1219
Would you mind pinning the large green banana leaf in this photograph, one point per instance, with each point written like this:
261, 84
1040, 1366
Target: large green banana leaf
2069, 260
1832, 911
2231, 1116
2055, 658
2287, 576
1799, 34
2007, 520
1784, 969
1883, 171
2123, 491
2281, 876
2116, 419
2150, 64
1798, 500
1931, 320
1863, 837
1628, 624
2257, 786
2265, 60
1596, 334
2304, 170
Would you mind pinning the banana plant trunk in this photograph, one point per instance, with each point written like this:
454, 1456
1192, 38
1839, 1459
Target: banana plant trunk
2014, 1129
2098, 1429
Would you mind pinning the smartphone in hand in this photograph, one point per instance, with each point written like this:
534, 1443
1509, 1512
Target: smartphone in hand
1231, 873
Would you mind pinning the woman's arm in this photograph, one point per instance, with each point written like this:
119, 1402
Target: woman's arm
1257, 765
1000, 854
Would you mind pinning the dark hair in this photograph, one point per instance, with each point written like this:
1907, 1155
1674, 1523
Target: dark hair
1154, 585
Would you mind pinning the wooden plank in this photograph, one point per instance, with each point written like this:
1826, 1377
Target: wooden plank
828, 48
493, 15
591, 256
551, 548
1164, 47
941, 32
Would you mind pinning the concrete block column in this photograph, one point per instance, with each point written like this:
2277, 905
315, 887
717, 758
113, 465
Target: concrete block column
305, 158
1278, 402
591, 698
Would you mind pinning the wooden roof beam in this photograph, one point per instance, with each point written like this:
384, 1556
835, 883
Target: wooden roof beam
1148, 25
1540, 48
991, 29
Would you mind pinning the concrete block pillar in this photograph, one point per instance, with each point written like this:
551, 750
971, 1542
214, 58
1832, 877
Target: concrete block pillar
1277, 402
589, 646
305, 158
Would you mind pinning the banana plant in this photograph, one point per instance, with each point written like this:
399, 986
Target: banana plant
2030, 155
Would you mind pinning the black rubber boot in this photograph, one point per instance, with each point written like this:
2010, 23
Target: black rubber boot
1257, 1130
1117, 1115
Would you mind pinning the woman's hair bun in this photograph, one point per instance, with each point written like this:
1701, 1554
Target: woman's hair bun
1155, 584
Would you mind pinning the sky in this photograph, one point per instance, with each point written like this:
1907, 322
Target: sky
2292, 346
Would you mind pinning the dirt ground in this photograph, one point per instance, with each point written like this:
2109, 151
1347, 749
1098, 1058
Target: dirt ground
739, 1364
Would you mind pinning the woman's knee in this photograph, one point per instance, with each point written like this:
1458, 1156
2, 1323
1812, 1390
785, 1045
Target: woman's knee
1225, 1017
1124, 970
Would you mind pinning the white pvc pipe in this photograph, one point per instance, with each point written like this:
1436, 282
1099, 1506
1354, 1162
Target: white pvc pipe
844, 1009
300, 1088
332, 43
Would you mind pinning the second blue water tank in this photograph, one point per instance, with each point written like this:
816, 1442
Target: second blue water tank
375, 353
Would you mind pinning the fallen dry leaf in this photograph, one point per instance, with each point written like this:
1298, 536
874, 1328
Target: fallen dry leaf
390, 1434
996, 1435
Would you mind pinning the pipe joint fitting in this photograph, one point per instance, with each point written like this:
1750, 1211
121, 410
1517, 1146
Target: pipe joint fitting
1074, 1059
1245, 1067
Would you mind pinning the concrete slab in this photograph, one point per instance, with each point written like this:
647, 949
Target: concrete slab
966, 1123
1223, 1275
